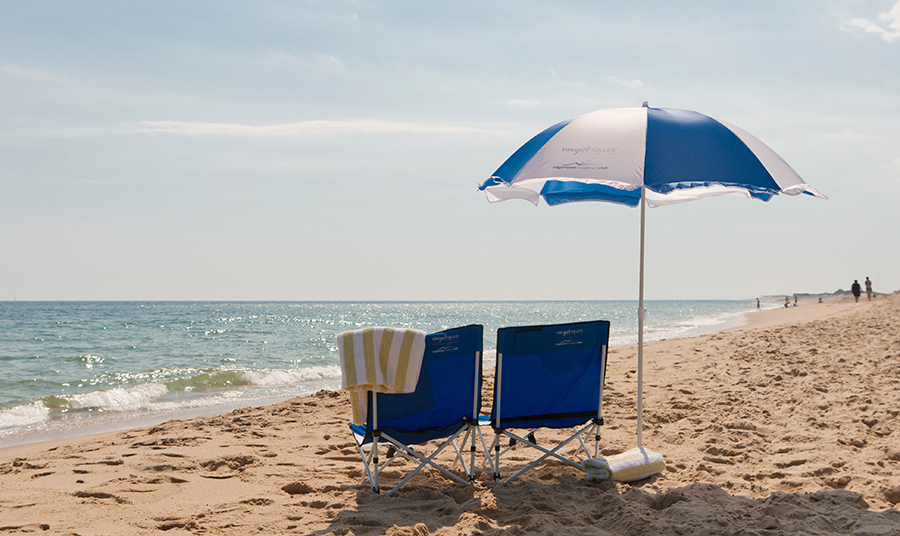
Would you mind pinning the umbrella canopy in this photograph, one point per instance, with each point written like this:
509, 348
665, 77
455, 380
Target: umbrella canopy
643, 156
609, 155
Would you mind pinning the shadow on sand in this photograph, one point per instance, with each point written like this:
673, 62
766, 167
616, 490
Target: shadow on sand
569, 506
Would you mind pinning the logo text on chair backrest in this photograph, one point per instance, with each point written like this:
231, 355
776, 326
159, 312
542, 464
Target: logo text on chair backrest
570, 336
445, 343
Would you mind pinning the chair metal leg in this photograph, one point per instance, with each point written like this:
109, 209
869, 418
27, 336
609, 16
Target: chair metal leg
547, 452
495, 446
367, 459
485, 449
375, 486
423, 460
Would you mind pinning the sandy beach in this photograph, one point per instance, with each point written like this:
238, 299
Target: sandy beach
786, 424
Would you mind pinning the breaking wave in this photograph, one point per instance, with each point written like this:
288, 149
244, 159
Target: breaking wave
204, 389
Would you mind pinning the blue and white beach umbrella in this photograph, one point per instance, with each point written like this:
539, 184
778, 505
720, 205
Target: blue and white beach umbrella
643, 156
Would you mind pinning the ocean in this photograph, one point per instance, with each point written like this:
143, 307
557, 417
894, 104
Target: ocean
77, 368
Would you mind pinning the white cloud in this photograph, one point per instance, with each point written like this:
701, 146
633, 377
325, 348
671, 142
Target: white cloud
363, 126
888, 28
281, 58
850, 135
570, 83
12, 70
630, 84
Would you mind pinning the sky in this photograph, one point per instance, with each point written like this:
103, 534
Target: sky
230, 150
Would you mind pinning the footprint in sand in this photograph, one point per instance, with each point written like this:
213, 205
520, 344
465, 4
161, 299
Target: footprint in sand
158, 480
783, 464
167, 467
33, 527
166, 442
237, 462
258, 501
839, 482
103, 462
186, 524
101, 495
227, 467
297, 488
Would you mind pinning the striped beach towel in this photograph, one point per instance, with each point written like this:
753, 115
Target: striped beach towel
383, 360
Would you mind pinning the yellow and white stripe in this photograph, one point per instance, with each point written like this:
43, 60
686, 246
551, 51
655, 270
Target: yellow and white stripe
379, 359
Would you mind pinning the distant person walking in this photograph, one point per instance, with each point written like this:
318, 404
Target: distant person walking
757, 304
856, 290
868, 288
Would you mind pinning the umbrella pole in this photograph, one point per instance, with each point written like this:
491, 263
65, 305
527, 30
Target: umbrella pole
641, 314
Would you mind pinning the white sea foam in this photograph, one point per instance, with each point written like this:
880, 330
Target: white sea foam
119, 399
26, 415
488, 358
194, 403
276, 377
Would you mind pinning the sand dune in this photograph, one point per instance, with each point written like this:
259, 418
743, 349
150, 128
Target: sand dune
787, 427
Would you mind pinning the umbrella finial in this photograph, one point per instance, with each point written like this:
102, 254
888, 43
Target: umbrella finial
645, 105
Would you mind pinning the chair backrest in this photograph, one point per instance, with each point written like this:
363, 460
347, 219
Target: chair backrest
549, 376
447, 395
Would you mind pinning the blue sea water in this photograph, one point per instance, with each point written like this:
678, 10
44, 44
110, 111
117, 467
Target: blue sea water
73, 368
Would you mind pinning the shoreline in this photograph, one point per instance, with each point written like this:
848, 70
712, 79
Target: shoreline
108, 407
88, 425
808, 310
789, 427
73, 361
118, 423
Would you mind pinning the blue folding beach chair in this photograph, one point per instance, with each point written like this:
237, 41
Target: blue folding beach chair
444, 406
548, 377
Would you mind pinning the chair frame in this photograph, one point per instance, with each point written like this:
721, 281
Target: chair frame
592, 428
374, 465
